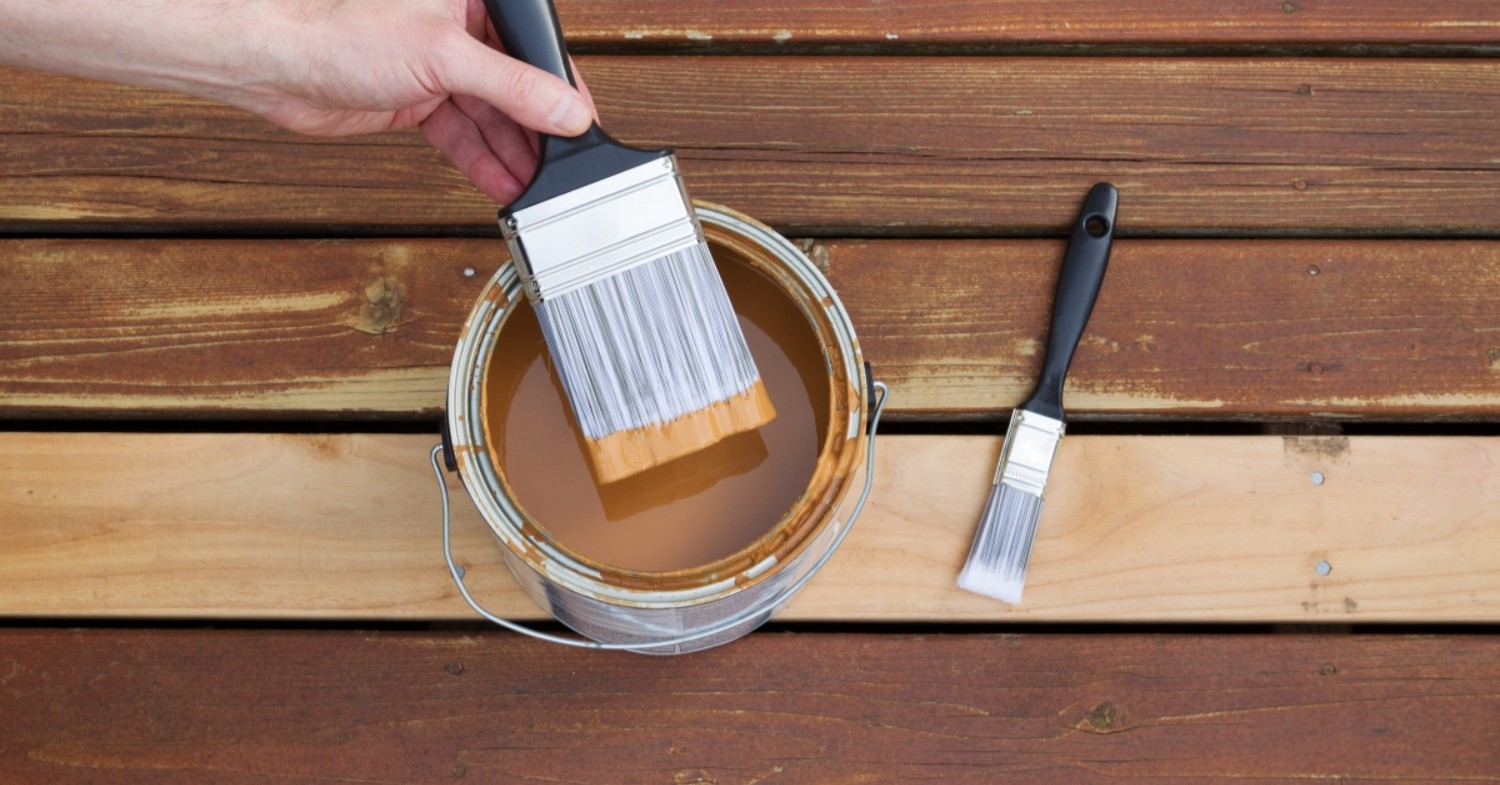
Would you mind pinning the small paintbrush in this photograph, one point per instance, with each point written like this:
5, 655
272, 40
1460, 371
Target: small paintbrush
612, 257
997, 561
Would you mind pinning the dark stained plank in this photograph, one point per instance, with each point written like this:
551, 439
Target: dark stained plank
1004, 25
367, 328
999, 145
1288, 328
91, 153
104, 707
850, 145
158, 328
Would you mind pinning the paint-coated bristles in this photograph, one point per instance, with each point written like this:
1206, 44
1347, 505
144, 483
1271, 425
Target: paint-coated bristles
1002, 548
646, 346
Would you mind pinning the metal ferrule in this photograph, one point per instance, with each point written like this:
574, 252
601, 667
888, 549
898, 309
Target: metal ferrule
601, 229
1030, 444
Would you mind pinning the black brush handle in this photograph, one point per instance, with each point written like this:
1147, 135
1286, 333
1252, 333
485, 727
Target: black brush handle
530, 32
1077, 288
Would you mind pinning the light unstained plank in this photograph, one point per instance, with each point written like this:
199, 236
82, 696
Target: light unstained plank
1134, 528
365, 328
1008, 24
909, 145
123, 706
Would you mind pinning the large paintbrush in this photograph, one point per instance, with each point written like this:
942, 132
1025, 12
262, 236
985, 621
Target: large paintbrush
613, 259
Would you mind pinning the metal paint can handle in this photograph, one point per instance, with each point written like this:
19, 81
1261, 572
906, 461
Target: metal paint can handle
785, 594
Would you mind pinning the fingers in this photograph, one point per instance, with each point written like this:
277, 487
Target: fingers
456, 134
514, 146
530, 96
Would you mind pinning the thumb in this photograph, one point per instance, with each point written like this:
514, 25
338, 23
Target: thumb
526, 94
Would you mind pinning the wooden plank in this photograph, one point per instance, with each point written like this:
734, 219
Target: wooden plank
1224, 329
365, 328
111, 706
213, 526
980, 145
235, 327
1005, 25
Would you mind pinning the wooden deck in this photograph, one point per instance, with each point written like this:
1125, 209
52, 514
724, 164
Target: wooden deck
224, 350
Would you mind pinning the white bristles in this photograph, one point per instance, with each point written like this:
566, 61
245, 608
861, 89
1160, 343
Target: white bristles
1002, 548
647, 345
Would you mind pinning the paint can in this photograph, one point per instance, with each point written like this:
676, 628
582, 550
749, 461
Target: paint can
618, 599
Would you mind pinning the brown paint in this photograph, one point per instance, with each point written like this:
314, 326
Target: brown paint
623, 454
685, 513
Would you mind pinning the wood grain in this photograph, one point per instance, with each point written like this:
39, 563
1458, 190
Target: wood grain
355, 329
128, 328
1005, 25
1308, 206
815, 144
107, 706
1222, 329
1197, 529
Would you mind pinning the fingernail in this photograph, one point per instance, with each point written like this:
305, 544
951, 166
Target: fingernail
571, 116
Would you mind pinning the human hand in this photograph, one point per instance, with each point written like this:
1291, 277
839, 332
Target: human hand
375, 65
326, 67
